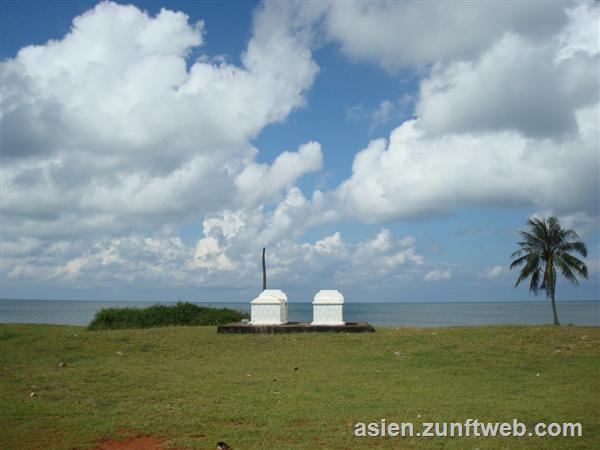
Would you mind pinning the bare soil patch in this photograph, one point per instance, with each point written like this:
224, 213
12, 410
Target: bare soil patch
135, 442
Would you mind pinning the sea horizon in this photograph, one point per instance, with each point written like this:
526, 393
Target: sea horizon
383, 314
290, 301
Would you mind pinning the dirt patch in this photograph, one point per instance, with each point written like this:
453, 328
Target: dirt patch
298, 423
137, 442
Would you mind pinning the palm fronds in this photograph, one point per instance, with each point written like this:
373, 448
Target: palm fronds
544, 248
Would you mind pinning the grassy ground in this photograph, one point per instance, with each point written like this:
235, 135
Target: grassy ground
195, 387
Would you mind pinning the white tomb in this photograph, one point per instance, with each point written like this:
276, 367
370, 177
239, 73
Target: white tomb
327, 308
269, 308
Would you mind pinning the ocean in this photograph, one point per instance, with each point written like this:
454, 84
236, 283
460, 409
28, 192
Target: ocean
422, 314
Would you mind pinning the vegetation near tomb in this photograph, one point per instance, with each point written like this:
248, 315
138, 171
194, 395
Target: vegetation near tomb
182, 313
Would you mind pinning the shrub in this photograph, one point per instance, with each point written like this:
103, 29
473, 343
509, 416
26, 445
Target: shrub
182, 313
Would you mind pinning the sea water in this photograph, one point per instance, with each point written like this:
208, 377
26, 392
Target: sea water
420, 314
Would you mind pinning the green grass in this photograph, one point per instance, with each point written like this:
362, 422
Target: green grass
195, 387
182, 313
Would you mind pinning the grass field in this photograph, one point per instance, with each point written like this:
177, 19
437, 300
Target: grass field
193, 387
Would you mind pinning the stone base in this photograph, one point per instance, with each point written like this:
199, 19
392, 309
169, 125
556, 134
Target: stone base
334, 324
296, 327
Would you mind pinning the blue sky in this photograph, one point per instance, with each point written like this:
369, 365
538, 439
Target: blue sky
388, 150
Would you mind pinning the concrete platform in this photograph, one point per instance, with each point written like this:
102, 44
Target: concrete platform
296, 327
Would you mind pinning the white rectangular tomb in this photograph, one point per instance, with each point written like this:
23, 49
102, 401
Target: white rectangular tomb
327, 308
269, 308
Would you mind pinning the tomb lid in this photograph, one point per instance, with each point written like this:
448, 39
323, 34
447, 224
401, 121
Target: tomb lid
270, 297
328, 297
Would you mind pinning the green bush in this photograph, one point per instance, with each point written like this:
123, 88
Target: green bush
182, 313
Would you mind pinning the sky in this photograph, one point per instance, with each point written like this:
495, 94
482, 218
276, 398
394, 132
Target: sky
390, 150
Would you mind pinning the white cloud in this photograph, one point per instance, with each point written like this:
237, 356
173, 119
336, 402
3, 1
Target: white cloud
329, 244
438, 275
513, 128
356, 112
260, 182
102, 161
108, 131
228, 224
580, 221
335, 262
152, 260
209, 255
581, 32
516, 85
495, 272
396, 34
383, 113
231, 243
414, 175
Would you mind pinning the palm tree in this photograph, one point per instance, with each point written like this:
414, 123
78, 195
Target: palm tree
546, 247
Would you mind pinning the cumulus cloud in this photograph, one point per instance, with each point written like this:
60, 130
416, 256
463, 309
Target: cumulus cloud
330, 259
229, 246
415, 175
249, 228
581, 221
438, 275
113, 129
385, 112
259, 182
516, 85
114, 136
499, 133
130, 258
397, 34
495, 272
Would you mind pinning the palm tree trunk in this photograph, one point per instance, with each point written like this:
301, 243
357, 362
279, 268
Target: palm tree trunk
553, 304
